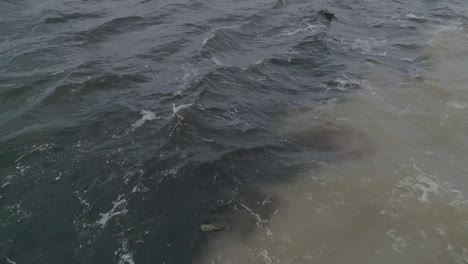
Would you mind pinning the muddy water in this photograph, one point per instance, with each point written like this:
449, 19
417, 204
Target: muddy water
403, 200
307, 131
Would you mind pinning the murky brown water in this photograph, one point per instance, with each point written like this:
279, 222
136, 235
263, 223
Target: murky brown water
321, 131
403, 200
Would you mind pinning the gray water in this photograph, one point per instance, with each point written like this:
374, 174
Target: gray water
125, 125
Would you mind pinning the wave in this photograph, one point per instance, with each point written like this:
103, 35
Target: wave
64, 18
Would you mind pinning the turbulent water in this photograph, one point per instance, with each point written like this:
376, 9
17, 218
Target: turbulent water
307, 137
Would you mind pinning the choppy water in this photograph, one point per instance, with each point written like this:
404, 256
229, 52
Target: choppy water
125, 125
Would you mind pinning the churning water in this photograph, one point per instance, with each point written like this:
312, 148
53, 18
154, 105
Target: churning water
306, 137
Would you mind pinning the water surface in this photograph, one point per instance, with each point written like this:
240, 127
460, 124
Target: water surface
125, 125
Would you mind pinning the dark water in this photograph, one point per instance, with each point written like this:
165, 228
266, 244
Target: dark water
99, 164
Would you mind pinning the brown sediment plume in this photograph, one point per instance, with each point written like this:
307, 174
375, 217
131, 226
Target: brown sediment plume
253, 208
323, 135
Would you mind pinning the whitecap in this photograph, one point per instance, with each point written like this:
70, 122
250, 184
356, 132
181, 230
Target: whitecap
217, 61
205, 41
415, 17
9, 260
407, 59
5, 184
83, 201
266, 258
147, 115
176, 109
367, 45
421, 185
120, 202
344, 83
457, 105
212, 34
308, 28
139, 188
126, 257
455, 26
399, 243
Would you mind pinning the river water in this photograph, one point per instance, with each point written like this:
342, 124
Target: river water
311, 138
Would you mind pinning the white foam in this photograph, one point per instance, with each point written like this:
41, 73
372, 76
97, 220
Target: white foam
189, 72
257, 216
456, 26
344, 81
57, 72
421, 184
176, 109
407, 59
443, 119
457, 105
126, 257
58, 177
205, 41
139, 188
308, 28
9, 260
465, 255
413, 16
147, 115
441, 231
212, 34
216, 61
17, 210
368, 45
264, 255
82, 201
398, 242
113, 212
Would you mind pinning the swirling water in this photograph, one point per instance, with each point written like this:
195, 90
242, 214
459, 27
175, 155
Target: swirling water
124, 125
